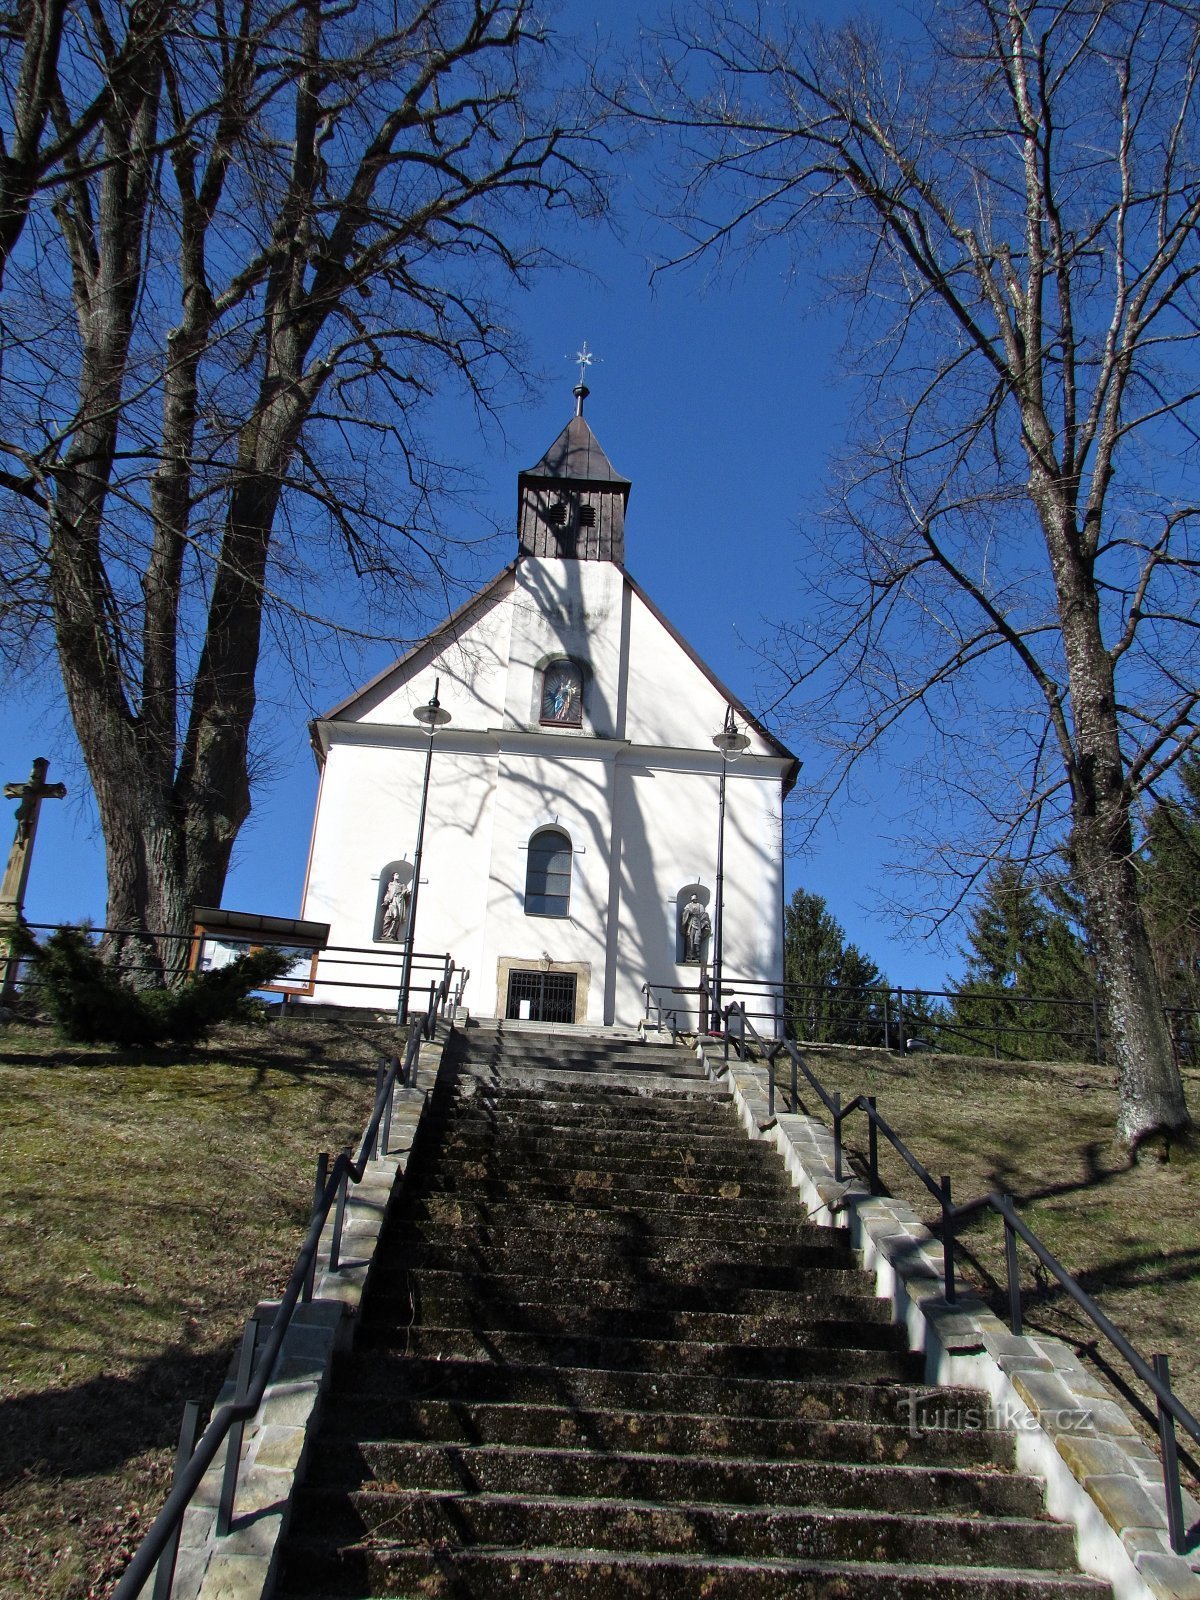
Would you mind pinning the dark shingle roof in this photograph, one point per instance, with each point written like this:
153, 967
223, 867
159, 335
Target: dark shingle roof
576, 457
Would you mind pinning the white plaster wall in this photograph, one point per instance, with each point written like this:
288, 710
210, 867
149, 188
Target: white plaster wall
567, 788
667, 822
370, 800
671, 702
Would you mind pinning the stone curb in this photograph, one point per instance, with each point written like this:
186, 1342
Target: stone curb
242, 1566
1099, 1474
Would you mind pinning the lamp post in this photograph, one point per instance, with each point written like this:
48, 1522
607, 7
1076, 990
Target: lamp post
730, 743
432, 717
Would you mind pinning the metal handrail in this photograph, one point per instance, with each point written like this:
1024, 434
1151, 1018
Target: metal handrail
162, 1534
892, 1018
373, 963
1154, 1374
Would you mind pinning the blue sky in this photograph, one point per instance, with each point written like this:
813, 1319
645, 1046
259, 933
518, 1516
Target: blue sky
722, 402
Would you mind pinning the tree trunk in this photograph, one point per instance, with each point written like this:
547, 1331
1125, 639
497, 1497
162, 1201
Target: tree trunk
1151, 1091
1148, 1078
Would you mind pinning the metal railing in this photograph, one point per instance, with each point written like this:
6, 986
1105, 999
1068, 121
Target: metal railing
255, 1368
740, 1034
999, 1023
672, 1005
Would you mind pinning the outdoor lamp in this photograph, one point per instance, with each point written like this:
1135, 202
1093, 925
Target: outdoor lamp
730, 742
431, 716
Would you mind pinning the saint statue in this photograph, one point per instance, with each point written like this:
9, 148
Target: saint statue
395, 909
696, 928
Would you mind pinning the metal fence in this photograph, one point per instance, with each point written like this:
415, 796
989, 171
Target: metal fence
368, 976
997, 1023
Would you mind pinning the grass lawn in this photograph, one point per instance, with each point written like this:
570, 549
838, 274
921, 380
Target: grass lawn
149, 1201
1043, 1132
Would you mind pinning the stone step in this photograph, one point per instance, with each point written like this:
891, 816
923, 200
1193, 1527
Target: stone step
517, 1137
555, 1052
630, 1191
677, 1479
430, 1289
757, 1264
604, 1352
484, 1042
927, 1433
843, 1352
864, 1394
734, 1221
567, 1119
671, 1072
553, 1574
521, 1144
825, 1533
618, 1095
633, 1174
578, 1075
638, 1325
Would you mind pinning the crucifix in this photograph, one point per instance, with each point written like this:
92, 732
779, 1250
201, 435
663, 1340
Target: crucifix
16, 875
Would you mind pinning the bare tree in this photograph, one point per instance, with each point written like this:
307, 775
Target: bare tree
289, 227
1007, 193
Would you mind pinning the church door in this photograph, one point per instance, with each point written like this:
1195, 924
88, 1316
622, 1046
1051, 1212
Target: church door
541, 997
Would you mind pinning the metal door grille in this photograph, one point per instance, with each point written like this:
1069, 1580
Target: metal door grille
550, 996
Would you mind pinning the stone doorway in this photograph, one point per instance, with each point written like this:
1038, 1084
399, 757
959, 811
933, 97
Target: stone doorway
536, 996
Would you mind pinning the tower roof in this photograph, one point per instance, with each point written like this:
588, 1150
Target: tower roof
576, 456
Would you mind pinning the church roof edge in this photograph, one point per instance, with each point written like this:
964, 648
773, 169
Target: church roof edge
433, 638
793, 771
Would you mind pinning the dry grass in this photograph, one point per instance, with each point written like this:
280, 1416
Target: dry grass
149, 1202
1043, 1132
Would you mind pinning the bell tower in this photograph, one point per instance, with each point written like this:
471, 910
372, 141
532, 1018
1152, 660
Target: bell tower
572, 504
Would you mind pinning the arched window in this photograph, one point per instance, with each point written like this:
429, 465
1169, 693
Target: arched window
562, 693
548, 875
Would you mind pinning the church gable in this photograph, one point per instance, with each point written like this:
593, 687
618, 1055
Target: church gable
470, 655
673, 701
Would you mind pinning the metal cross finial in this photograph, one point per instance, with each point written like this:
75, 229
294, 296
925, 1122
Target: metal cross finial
584, 358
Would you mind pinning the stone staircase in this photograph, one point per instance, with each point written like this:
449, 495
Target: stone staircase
602, 1352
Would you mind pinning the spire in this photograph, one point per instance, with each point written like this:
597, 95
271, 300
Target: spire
572, 503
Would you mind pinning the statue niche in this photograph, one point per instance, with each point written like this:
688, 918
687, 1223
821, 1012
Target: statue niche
393, 903
693, 925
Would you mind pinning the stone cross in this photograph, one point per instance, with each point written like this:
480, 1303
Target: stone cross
16, 874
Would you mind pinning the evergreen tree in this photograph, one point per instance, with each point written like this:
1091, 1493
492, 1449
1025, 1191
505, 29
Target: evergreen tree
1023, 953
834, 992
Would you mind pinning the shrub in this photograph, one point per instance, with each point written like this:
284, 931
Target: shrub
92, 1004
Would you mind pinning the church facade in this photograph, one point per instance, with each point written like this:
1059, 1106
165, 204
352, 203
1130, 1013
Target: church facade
571, 834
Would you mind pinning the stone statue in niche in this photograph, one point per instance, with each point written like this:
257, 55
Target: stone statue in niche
696, 926
395, 909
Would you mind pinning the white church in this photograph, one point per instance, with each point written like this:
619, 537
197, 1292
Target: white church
573, 820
